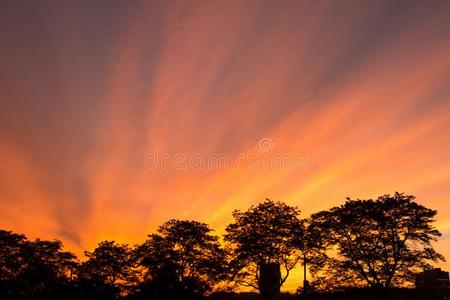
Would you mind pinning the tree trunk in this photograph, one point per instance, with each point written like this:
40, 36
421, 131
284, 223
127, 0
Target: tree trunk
270, 281
305, 280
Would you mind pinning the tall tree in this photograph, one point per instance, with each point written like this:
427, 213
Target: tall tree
110, 268
11, 245
183, 259
263, 238
380, 242
47, 263
37, 268
11, 262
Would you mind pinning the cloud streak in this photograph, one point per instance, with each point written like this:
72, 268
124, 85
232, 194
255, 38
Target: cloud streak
87, 90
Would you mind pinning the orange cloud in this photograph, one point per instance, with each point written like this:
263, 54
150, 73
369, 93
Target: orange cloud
360, 90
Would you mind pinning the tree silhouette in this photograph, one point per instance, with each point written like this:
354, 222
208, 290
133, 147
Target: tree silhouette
32, 268
381, 242
371, 243
312, 245
109, 269
11, 262
182, 259
46, 265
265, 236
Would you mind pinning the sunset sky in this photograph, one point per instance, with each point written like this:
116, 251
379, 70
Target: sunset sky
358, 92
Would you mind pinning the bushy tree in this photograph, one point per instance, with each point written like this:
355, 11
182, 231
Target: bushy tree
264, 236
33, 269
110, 269
11, 245
381, 242
182, 259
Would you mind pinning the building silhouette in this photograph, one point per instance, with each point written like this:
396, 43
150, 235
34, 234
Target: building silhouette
433, 284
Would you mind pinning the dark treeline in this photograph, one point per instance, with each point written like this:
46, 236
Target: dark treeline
367, 244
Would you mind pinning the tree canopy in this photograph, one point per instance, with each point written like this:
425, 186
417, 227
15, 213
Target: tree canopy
32, 268
380, 242
110, 265
264, 234
183, 256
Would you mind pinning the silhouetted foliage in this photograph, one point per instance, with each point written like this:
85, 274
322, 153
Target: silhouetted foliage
109, 268
32, 269
11, 246
263, 235
11, 262
379, 242
183, 259
313, 245
47, 266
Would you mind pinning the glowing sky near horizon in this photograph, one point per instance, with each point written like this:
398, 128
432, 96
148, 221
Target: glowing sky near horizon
360, 89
